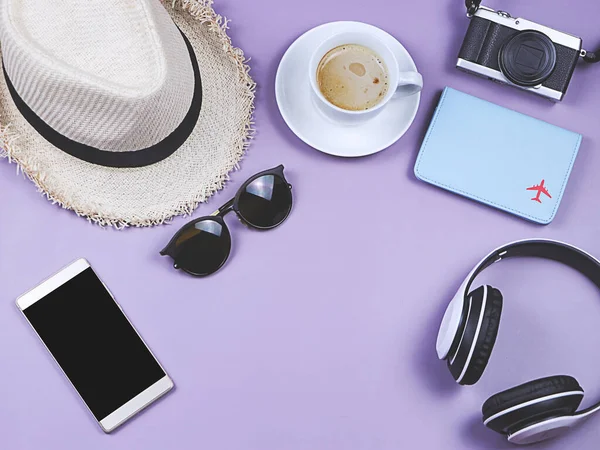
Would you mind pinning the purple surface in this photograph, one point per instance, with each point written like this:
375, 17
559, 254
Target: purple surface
320, 335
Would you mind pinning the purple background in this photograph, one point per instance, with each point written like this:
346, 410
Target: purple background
320, 335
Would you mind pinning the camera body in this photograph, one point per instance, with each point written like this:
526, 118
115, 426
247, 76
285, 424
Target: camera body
520, 53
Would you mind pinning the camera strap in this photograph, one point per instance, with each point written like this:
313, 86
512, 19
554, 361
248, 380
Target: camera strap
589, 57
472, 6
592, 57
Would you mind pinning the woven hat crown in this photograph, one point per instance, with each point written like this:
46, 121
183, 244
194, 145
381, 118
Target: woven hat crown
116, 76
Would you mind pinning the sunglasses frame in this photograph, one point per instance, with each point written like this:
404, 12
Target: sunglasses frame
218, 216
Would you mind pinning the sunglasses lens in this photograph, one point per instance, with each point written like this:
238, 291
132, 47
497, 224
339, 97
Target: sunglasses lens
265, 202
203, 248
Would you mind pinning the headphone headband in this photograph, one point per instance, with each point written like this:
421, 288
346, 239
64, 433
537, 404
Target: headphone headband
558, 251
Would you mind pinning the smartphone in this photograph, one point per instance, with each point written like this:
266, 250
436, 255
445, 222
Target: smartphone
95, 345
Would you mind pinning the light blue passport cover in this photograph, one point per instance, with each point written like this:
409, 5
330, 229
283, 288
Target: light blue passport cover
497, 156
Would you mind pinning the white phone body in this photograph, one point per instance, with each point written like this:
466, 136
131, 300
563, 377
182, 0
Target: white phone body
135, 404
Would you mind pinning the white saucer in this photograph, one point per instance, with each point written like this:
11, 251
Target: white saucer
295, 99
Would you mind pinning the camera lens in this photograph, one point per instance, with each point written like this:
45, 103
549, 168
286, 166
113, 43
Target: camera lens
528, 58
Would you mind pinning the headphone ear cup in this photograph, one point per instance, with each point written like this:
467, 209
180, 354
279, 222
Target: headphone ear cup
532, 402
469, 361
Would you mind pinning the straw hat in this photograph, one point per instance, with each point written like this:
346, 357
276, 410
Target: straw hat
128, 112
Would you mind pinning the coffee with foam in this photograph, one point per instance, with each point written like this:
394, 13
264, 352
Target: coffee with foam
353, 77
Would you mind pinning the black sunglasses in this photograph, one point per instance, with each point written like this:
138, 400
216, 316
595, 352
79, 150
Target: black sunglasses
202, 246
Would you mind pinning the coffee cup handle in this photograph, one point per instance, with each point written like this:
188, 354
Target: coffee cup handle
409, 83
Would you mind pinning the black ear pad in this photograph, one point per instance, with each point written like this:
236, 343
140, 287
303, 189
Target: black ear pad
532, 402
469, 361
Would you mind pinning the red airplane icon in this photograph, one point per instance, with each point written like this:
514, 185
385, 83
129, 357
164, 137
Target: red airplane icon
541, 189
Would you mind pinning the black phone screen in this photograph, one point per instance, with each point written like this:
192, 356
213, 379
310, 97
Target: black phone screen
94, 343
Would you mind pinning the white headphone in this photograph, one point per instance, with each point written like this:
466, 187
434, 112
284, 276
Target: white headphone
534, 411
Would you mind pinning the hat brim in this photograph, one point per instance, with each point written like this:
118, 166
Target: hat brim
150, 195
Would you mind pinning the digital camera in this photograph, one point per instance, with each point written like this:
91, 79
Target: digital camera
520, 53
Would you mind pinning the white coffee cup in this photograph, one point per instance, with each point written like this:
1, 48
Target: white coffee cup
406, 83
